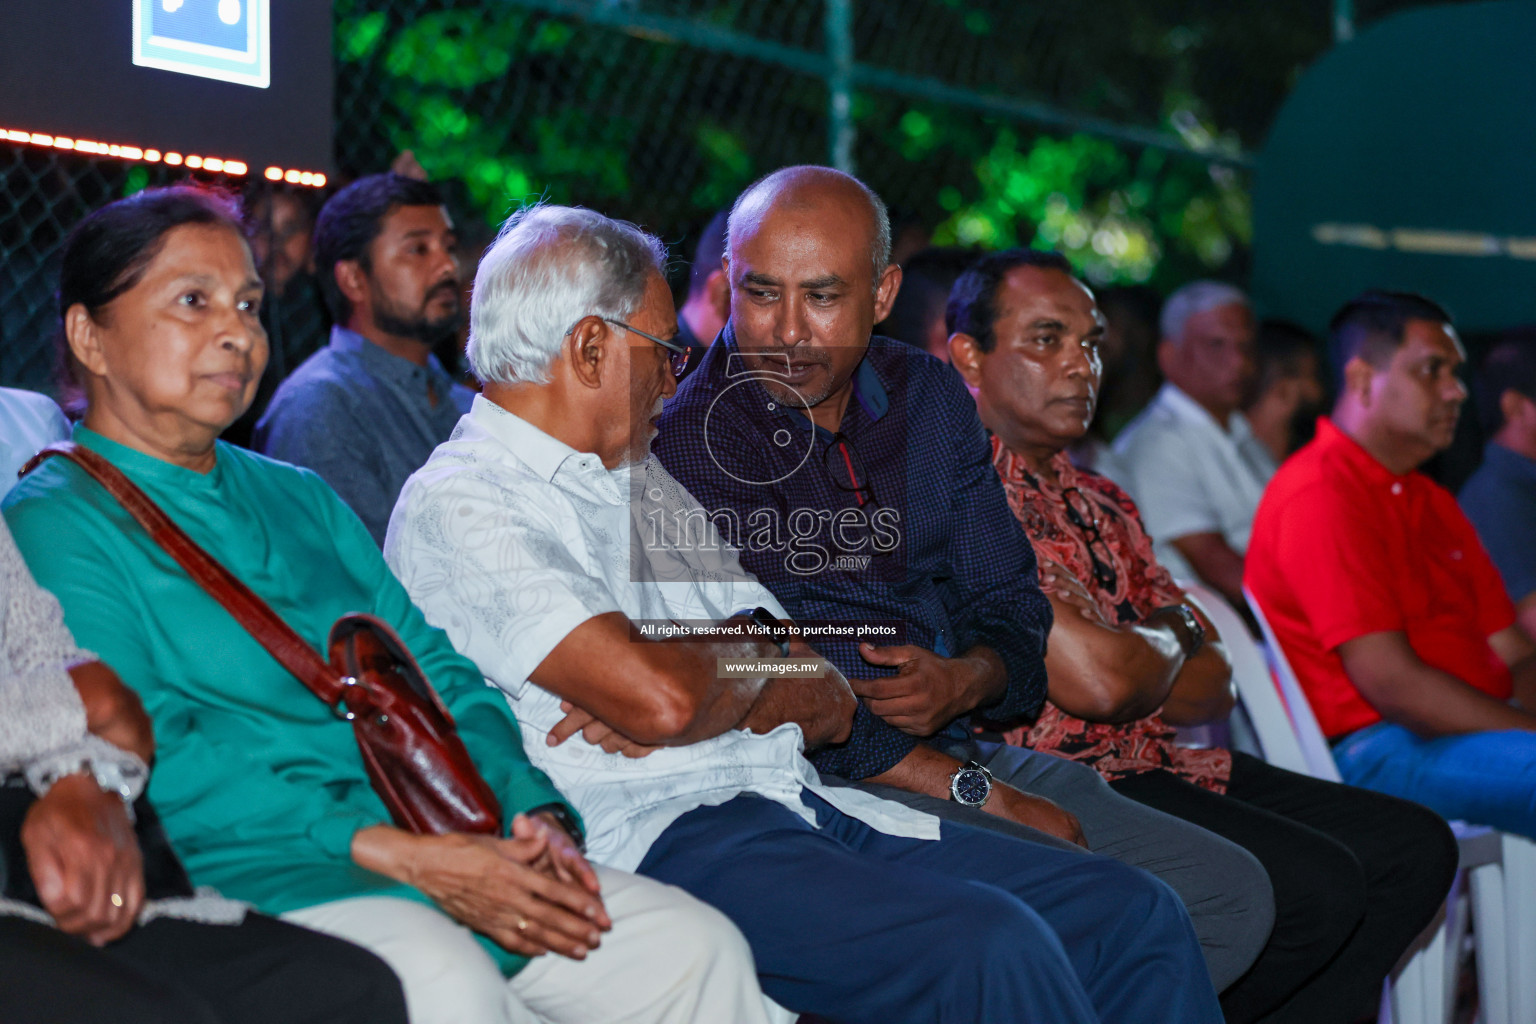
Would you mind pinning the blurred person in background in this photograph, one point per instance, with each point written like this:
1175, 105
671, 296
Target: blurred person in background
1287, 391
1128, 350
365, 411
475, 237
708, 304
1500, 497
917, 315
279, 222
1385, 602
1190, 459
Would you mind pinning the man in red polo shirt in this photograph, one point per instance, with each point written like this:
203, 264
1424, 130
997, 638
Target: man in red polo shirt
1385, 602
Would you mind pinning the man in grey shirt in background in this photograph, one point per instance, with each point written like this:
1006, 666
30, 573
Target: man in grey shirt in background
365, 411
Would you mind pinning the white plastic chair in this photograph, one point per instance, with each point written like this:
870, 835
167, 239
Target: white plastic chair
1422, 988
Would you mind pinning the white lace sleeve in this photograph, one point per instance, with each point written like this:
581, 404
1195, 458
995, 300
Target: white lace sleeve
40, 712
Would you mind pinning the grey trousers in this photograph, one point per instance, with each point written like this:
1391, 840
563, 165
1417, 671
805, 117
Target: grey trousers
1223, 886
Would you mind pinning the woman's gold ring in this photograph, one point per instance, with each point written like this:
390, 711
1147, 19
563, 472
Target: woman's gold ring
522, 924
117, 901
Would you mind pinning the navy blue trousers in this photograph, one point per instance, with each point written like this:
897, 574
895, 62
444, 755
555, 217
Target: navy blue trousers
854, 925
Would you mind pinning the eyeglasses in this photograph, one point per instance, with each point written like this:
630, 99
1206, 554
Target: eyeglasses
841, 461
678, 354
1081, 514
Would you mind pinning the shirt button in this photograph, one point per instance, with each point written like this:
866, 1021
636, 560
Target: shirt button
1397, 488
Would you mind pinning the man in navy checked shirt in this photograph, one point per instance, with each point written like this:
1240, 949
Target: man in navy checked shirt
854, 476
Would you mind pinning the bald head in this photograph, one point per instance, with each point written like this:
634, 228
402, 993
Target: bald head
809, 187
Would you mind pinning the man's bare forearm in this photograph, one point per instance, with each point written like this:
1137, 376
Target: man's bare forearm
1421, 698
924, 770
722, 702
821, 706
1202, 692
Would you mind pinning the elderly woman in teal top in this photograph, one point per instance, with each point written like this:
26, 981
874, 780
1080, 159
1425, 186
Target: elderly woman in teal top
260, 787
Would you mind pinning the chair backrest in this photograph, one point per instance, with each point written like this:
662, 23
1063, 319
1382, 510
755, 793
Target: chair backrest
1282, 737
1308, 733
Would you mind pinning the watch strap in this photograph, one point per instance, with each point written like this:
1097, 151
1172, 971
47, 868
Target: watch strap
778, 632
115, 770
565, 819
1194, 630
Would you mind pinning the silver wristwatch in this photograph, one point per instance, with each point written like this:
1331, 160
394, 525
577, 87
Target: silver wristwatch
124, 776
970, 784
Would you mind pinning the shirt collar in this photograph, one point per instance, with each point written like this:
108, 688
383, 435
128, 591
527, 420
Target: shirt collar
1331, 439
147, 467
1010, 466
387, 364
534, 448
1175, 400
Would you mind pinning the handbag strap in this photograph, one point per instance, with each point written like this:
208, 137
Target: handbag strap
258, 619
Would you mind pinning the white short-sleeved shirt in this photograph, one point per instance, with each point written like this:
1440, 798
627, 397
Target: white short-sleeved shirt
1190, 476
28, 422
509, 539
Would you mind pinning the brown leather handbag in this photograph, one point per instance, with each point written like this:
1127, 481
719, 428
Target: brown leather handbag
410, 747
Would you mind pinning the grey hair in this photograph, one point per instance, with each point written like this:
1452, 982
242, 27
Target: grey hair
1197, 297
880, 249
549, 267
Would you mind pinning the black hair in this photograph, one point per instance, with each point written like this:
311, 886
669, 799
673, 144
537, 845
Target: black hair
107, 253
972, 305
1371, 326
926, 279
352, 219
1280, 348
708, 254
1510, 365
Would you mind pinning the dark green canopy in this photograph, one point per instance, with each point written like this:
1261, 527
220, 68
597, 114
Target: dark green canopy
1406, 158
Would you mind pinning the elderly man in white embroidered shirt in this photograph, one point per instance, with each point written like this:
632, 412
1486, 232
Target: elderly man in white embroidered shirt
1190, 459
555, 552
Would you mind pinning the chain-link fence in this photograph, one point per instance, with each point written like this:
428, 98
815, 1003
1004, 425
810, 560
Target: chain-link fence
1087, 127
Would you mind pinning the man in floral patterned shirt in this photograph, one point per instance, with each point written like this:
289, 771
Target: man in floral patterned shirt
1356, 875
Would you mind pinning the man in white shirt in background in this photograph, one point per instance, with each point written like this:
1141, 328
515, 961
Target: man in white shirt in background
552, 548
1190, 459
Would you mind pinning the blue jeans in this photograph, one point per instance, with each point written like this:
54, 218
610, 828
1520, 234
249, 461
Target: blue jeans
1487, 778
854, 925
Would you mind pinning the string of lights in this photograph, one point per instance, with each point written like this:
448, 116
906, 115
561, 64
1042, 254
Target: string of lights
148, 154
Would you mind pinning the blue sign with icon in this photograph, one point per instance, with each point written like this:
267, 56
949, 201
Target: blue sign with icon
224, 39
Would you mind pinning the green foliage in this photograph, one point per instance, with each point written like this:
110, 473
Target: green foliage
1119, 217
455, 49
517, 104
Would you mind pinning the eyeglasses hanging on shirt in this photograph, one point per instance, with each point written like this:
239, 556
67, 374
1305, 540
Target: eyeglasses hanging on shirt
1083, 514
846, 470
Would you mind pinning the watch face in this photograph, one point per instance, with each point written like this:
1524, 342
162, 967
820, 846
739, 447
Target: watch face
971, 786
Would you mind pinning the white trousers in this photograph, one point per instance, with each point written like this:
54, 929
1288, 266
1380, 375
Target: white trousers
669, 959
